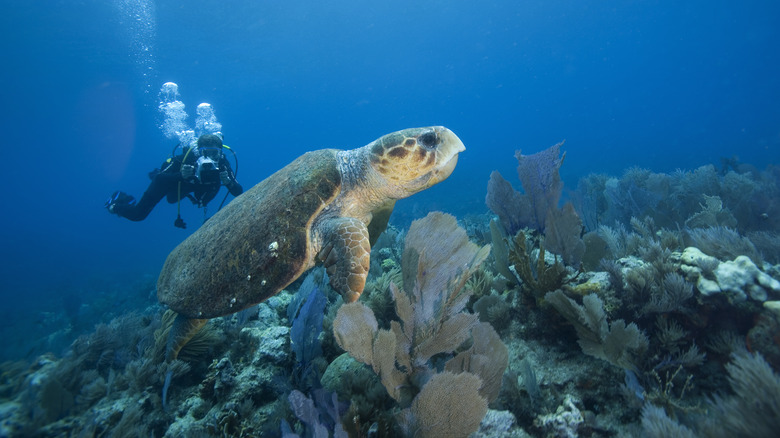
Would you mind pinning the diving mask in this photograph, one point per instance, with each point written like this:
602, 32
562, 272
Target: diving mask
211, 153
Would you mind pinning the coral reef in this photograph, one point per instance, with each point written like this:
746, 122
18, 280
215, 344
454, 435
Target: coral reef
448, 401
666, 324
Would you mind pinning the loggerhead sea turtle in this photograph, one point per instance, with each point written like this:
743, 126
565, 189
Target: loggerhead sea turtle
328, 205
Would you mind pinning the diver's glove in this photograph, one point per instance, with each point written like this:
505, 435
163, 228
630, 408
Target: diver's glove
224, 176
187, 171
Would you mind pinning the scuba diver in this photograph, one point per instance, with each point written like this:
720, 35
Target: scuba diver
197, 173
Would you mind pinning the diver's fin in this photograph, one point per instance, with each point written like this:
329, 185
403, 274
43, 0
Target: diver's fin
182, 330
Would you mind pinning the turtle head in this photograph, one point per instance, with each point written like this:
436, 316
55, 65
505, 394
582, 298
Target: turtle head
416, 158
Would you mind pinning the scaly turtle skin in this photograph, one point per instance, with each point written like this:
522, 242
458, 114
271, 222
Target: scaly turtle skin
328, 205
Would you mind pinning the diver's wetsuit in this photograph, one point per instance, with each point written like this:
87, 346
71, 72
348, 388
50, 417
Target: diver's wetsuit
165, 182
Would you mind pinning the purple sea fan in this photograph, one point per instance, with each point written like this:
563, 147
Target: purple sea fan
541, 181
542, 186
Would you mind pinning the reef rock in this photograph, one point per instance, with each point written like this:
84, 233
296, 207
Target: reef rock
499, 424
273, 343
739, 278
742, 275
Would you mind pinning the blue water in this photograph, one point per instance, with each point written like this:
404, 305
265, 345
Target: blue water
632, 83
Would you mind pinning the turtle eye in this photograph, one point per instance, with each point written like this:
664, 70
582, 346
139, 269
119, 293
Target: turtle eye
428, 139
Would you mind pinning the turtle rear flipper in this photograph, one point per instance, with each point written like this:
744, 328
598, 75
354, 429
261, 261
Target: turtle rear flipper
182, 330
346, 255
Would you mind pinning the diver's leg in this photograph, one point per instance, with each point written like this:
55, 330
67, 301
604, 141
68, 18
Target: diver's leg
157, 190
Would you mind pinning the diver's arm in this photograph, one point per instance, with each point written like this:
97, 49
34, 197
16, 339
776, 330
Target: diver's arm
229, 180
173, 176
235, 188
171, 170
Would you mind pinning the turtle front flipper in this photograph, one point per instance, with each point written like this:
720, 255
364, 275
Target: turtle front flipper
346, 254
379, 219
182, 330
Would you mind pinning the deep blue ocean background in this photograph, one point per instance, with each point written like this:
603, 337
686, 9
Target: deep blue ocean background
653, 84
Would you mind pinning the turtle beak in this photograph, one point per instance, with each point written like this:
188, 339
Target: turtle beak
447, 154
